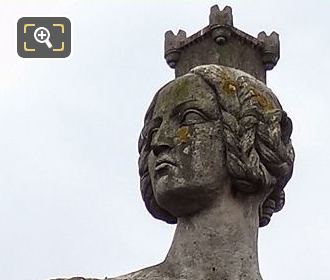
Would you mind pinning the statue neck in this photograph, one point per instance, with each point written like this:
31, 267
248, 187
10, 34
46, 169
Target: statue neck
217, 243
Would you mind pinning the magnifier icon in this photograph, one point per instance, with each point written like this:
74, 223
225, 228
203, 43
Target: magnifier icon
41, 35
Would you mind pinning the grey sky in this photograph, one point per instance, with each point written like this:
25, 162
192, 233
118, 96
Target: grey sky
70, 202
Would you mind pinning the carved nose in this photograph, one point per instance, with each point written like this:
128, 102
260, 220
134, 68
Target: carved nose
162, 140
159, 148
161, 143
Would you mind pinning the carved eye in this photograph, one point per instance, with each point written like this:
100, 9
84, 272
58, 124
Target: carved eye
192, 116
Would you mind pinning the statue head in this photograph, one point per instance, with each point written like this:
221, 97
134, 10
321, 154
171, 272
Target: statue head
212, 126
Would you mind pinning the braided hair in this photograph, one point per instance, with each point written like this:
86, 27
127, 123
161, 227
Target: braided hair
258, 149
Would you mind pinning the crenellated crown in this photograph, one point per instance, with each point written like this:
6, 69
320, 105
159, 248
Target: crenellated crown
221, 43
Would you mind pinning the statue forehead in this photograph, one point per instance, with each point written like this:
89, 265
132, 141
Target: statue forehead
189, 87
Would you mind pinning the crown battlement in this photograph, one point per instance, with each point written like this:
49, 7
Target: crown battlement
221, 43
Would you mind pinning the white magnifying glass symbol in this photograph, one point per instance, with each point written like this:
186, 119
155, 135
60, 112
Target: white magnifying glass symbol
41, 35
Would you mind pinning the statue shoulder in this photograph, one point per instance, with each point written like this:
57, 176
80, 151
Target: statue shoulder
149, 273
80, 278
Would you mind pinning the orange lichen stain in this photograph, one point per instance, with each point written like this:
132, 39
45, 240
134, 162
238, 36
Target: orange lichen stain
229, 87
183, 134
264, 103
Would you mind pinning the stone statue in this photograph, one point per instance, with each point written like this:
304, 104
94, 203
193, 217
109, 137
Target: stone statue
215, 156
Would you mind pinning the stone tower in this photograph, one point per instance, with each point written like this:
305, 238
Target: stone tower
223, 44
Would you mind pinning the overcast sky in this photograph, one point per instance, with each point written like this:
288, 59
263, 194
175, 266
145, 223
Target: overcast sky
70, 202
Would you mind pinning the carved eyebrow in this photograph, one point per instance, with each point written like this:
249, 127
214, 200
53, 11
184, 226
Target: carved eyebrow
177, 109
192, 104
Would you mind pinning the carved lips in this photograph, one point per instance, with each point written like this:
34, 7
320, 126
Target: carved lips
162, 165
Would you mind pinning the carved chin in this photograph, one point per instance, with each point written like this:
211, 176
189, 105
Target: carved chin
181, 200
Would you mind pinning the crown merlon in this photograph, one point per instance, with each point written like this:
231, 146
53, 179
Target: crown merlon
271, 49
217, 20
172, 45
218, 17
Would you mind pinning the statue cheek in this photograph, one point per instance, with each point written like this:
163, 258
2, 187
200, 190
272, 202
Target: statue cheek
186, 150
182, 135
190, 138
184, 146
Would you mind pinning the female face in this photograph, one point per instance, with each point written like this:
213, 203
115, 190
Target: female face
186, 162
